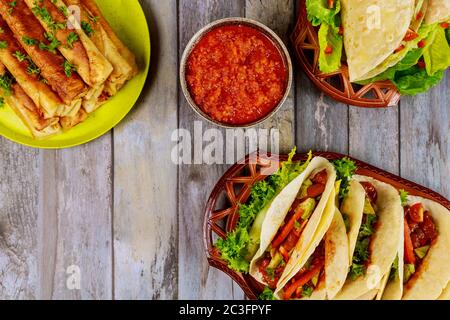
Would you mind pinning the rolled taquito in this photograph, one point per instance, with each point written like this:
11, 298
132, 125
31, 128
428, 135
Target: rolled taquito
26, 73
41, 47
69, 122
111, 43
75, 45
123, 69
13, 94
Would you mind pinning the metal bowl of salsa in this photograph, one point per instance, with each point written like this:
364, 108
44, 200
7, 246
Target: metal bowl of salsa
236, 73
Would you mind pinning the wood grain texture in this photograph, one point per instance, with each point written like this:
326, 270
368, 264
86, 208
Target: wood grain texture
321, 123
131, 220
425, 138
75, 221
280, 17
19, 197
374, 137
197, 280
145, 179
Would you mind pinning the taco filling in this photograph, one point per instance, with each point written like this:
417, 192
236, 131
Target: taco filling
420, 235
308, 279
361, 255
279, 252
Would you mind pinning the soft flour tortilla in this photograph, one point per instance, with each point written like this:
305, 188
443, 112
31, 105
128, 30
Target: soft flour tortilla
369, 295
393, 289
368, 44
438, 11
353, 206
306, 247
336, 253
445, 294
336, 263
396, 57
384, 244
430, 280
280, 206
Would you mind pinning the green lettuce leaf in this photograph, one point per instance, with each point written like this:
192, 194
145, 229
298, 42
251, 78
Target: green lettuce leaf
404, 197
328, 36
410, 59
234, 248
407, 76
318, 12
345, 169
437, 54
267, 294
416, 80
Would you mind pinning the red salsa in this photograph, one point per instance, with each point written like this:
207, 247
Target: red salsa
236, 74
420, 234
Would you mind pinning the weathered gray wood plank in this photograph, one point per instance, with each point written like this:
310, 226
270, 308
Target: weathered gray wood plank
197, 280
322, 123
425, 138
280, 17
374, 137
19, 196
75, 222
145, 179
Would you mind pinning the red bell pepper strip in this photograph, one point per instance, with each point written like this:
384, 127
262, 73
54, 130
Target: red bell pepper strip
316, 190
409, 249
287, 229
304, 279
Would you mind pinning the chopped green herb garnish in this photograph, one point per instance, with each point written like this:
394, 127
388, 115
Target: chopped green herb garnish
64, 11
43, 13
71, 38
87, 28
52, 45
93, 19
32, 68
5, 83
3, 44
2, 102
68, 68
29, 41
12, 5
20, 56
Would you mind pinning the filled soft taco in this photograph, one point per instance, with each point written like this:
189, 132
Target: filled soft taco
319, 269
374, 214
291, 221
320, 272
421, 270
285, 206
427, 249
404, 41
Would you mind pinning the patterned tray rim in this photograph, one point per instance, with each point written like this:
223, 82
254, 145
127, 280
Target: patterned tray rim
248, 284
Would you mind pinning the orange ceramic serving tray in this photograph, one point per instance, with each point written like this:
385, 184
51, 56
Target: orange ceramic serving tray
337, 85
222, 210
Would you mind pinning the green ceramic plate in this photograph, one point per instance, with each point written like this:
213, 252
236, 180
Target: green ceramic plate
128, 20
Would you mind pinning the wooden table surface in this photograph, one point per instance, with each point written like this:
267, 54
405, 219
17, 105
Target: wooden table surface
131, 221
